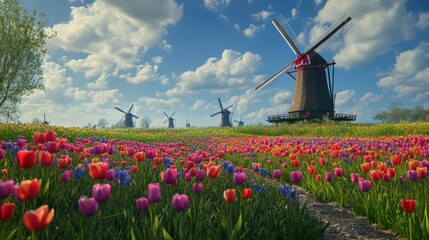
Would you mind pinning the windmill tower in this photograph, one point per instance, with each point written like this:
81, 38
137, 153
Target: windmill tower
44, 120
170, 120
224, 122
188, 124
313, 95
240, 123
128, 122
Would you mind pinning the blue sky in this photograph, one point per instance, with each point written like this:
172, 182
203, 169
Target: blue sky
180, 55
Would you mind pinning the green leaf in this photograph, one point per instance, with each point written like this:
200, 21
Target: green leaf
46, 188
11, 234
237, 226
426, 220
166, 235
133, 237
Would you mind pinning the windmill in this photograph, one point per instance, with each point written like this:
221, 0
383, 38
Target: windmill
128, 122
188, 124
44, 120
240, 123
312, 97
170, 120
225, 122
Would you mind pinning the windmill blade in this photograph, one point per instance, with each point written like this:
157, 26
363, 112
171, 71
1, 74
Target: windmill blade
173, 114
220, 103
228, 107
286, 37
132, 105
166, 114
120, 110
331, 35
165, 121
236, 121
274, 76
215, 114
132, 115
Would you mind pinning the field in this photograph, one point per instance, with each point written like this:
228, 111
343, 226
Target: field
209, 183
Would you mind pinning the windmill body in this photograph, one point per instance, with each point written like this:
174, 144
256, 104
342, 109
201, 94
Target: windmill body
128, 122
313, 95
188, 124
44, 120
224, 121
240, 123
170, 120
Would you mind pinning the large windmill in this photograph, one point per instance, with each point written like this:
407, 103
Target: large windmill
170, 120
128, 122
313, 95
44, 120
240, 123
224, 122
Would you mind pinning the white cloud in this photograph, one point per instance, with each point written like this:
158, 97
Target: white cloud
157, 60
410, 75
423, 22
224, 17
111, 36
232, 70
252, 30
317, 2
378, 26
264, 112
262, 15
281, 97
146, 73
215, 5
294, 13
198, 105
242, 103
236, 26
54, 76
344, 97
158, 104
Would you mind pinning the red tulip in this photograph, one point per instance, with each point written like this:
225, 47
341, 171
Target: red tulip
213, 172
409, 205
38, 219
422, 172
229, 195
45, 159
27, 189
26, 159
413, 164
365, 167
139, 156
395, 159
6, 211
311, 170
391, 172
50, 135
322, 161
64, 161
38, 137
338, 172
180, 202
98, 170
247, 193
318, 177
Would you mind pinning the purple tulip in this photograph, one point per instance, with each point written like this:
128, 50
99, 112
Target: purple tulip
154, 193
101, 192
365, 185
328, 176
197, 187
6, 188
66, 176
277, 173
88, 206
386, 178
338, 172
412, 175
142, 204
180, 202
200, 175
198, 159
255, 167
239, 178
401, 180
111, 175
170, 176
296, 176
188, 177
354, 177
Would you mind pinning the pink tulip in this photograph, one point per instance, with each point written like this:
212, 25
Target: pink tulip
239, 178
338, 172
197, 187
88, 206
365, 185
180, 202
277, 173
296, 176
328, 176
170, 176
142, 204
52, 147
66, 176
354, 177
101, 192
154, 193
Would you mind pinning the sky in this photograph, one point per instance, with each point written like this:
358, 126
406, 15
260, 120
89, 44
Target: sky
181, 55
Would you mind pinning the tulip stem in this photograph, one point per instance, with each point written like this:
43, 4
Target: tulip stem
410, 227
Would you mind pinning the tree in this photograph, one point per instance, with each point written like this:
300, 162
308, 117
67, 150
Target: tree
102, 123
145, 122
22, 48
382, 116
36, 121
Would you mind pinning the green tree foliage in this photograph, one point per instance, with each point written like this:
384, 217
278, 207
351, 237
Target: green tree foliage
397, 114
145, 122
36, 121
22, 48
102, 123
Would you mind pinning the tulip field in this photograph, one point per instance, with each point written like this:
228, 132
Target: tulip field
209, 183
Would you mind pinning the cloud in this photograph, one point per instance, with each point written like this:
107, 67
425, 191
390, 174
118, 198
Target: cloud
410, 73
110, 36
198, 105
294, 13
242, 103
158, 104
378, 27
146, 73
232, 70
252, 30
54, 76
344, 97
215, 5
262, 15
264, 112
281, 97
317, 2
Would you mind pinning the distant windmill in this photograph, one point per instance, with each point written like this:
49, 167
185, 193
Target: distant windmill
170, 120
225, 122
187, 123
44, 120
240, 123
128, 116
